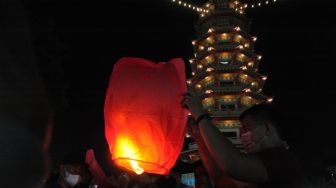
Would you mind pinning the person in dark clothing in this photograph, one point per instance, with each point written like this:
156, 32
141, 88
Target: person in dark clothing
266, 163
329, 178
73, 172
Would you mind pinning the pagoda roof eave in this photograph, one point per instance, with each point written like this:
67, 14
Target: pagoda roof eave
227, 12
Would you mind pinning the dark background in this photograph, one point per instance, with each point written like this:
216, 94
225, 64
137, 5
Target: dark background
77, 43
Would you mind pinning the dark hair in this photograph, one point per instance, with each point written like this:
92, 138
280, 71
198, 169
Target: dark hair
330, 162
262, 112
75, 158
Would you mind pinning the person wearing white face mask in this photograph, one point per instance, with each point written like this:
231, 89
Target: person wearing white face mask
266, 163
73, 172
70, 179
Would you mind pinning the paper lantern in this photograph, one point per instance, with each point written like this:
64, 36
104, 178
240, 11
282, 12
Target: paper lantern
144, 120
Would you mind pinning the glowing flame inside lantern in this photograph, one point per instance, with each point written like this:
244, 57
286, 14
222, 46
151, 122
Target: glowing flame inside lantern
126, 149
136, 168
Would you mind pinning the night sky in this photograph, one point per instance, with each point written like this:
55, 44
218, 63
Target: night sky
78, 41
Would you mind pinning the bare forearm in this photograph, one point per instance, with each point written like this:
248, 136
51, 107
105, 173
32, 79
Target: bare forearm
209, 163
219, 147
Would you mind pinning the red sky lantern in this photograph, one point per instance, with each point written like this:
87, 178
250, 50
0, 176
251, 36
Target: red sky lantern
144, 120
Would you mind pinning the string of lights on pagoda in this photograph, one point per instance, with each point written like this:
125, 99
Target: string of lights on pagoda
239, 8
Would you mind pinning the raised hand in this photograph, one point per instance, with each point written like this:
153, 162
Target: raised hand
193, 102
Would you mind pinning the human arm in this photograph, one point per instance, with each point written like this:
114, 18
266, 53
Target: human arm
228, 158
207, 160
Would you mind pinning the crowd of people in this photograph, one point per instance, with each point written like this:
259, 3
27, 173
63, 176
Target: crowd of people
266, 162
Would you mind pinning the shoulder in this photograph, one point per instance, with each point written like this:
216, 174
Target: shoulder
276, 153
280, 164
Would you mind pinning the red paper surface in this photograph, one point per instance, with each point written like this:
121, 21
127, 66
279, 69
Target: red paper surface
144, 120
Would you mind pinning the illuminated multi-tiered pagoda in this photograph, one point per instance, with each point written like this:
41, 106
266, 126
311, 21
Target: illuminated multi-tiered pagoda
225, 66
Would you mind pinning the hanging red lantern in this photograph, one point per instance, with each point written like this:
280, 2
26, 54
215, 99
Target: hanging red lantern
144, 120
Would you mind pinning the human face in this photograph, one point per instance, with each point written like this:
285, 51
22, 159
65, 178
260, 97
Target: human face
73, 174
331, 174
252, 135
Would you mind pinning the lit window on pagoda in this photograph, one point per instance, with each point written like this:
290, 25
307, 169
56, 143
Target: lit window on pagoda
224, 62
209, 59
226, 76
228, 124
208, 81
225, 37
201, 47
239, 39
246, 45
231, 123
208, 102
244, 78
210, 40
229, 98
241, 58
225, 56
248, 101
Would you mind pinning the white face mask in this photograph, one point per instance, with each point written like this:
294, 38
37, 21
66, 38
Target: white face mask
71, 179
249, 144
